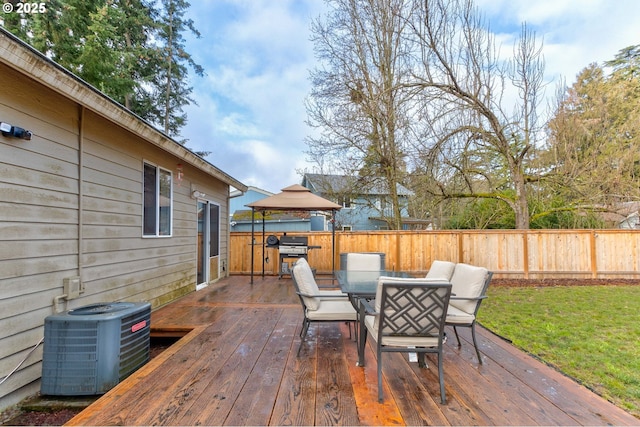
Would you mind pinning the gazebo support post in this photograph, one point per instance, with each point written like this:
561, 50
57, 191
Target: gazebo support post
263, 242
253, 212
333, 242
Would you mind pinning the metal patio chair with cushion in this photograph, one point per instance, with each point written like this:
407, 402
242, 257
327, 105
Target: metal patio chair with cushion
470, 285
362, 266
441, 270
319, 306
362, 261
409, 316
315, 289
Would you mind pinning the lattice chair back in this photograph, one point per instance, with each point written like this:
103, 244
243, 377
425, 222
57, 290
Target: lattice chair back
413, 314
409, 316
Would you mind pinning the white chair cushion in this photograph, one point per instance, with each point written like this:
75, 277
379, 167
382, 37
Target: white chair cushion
468, 281
331, 295
441, 270
333, 310
306, 283
372, 326
363, 262
458, 317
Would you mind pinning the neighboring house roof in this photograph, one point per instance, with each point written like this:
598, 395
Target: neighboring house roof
631, 221
238, 193
336, 184
618, 214
20, 56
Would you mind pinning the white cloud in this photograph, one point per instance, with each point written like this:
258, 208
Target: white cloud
576, 33
257, 56
251, 104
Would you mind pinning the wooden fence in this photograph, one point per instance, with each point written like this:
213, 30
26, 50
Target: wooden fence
530, 254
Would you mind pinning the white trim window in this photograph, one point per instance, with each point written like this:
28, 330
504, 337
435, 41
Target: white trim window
157, 210
344, 201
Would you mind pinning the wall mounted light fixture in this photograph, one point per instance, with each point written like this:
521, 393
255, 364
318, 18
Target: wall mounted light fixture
198, 194
14, 131
179, 174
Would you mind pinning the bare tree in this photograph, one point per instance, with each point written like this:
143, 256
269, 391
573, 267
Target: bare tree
479, 111
359, 101
419, 85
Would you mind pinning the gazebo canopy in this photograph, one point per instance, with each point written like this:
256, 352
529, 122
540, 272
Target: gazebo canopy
294, 197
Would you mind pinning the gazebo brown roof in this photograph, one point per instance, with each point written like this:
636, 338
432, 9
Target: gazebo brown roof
292, 198
295, 197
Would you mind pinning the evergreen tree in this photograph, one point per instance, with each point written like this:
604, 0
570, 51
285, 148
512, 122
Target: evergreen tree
594, 138
132, 50
170, 82
60, 33
116, 51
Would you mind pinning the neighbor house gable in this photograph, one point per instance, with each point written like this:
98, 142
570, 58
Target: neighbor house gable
363, 203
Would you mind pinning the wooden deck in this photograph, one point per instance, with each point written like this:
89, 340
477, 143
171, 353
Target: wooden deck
237, 365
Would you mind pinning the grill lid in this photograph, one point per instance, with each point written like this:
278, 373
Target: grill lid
294, 241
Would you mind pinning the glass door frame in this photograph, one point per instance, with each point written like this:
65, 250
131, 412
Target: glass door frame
204, 260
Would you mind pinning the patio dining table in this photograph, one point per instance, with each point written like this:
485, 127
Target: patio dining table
361, 286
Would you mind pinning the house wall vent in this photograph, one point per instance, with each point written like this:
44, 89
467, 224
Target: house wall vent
89, 350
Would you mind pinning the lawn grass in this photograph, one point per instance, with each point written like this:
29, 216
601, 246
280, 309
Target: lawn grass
591, 333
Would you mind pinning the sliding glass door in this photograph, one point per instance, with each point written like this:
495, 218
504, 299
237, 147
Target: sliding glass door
208, 265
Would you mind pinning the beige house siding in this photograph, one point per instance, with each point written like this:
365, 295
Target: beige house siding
71, 205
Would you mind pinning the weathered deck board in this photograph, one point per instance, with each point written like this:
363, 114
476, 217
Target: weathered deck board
335, 404
238, 366
255, 404
295, 402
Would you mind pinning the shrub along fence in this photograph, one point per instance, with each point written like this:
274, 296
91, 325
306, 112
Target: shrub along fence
528, 254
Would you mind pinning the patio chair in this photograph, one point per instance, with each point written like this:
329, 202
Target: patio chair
315, 289
362, 261
409, 316
470, 285
441, 270
319, 306
362, 266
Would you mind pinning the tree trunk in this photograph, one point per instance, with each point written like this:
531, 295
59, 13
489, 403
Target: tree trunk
521, 206
167, 99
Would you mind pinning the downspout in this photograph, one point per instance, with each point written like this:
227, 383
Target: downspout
81, 196
74, 286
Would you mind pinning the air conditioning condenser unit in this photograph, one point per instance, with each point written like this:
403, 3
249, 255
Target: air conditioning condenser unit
89, 350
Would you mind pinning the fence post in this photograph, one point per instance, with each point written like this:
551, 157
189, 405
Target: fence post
594, 258
525, 253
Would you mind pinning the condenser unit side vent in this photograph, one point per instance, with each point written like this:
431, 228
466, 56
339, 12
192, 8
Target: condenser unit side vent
134, 343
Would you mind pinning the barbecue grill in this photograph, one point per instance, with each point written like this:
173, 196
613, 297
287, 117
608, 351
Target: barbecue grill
289, 247
293, 245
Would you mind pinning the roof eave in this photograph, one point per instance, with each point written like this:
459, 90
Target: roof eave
20, 56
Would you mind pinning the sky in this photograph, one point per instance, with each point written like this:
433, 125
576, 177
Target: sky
257, 55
